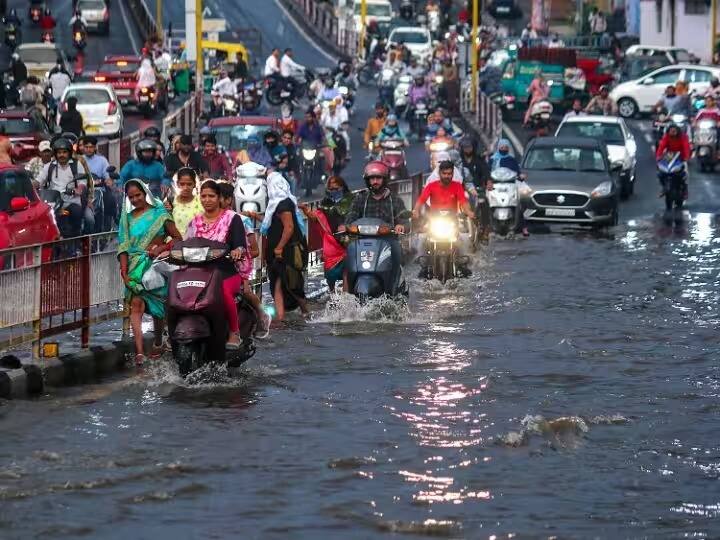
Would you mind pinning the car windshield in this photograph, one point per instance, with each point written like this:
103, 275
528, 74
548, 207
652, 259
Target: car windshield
409, 37
38, 55
235, 137
565, 158
608, 133
14, 184
375, 10
88, 96
634, 69
98, 5
122, 66
681, 55
16, 126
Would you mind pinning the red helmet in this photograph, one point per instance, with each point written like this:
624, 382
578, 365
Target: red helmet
376, 168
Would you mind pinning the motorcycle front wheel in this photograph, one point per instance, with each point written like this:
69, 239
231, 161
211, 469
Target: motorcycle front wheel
272, 95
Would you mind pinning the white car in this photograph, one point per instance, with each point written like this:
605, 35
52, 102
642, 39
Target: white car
99, 106
380, 11
40, 58
417, 39
675, 55
97, 15
620, 142
641, 95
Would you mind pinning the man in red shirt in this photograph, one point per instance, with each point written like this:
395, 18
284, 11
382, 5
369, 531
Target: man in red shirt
444, 194
710, 112
673, 141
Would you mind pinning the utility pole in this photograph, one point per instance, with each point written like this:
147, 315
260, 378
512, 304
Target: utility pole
363, 25
159, 19
713, 25
199, 62
474, 50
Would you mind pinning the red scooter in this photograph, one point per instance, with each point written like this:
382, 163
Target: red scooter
392, 154
195, 308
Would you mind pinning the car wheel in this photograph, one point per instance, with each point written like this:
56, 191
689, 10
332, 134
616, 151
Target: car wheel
615, 218
627, 107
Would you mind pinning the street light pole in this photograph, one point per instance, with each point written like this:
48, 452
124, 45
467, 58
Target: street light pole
363, 22
713, 24
474, 59
159, 19
199, 61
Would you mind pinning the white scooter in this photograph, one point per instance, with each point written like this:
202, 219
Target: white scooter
401, 94
250, 188
503, 201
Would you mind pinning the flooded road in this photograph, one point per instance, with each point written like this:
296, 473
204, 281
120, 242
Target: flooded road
569, 388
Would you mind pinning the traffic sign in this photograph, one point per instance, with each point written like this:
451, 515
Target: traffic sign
213, 25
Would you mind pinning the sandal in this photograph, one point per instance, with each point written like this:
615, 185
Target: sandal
233, 346
157, 351
140, 360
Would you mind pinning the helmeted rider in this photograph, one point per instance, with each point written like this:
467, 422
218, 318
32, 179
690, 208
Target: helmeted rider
47, 21
347, 78
145, 167
78, 22
602, 103
674, 140
154, 134
419, 91
391, 130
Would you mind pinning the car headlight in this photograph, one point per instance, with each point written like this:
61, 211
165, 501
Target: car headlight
524, 189
603, 190
443, 228
309, 153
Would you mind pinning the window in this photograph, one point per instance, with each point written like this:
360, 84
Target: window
696, 7
120, 66
235, 137
414, 38
699, 76
39, 55
16, 126
669, 76
375, 10
608, 133
88, 96
14, 184
565, 159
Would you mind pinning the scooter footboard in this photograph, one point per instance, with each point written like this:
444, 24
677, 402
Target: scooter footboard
369, 285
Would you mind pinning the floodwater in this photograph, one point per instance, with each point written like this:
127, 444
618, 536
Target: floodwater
568, 389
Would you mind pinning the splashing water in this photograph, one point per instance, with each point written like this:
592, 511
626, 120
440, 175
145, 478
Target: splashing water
344, 308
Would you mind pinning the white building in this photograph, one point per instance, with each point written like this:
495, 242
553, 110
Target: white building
678, 23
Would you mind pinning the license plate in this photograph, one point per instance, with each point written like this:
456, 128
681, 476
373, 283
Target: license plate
144, 99
560, 212
503, 10
284, 94
92, 129
123, 92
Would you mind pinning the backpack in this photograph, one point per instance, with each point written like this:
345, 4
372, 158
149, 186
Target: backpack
53, 170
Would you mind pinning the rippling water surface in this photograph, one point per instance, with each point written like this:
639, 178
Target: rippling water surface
569, 389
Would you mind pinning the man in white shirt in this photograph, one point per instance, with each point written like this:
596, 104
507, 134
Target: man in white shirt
288, 66
272, 64
225, 85
336, 117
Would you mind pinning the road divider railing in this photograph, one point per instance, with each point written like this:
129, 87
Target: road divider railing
67, 286
144, 19
485, 119
323, 21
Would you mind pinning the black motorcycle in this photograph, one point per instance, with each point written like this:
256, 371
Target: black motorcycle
281, 90
672, 172
310, 167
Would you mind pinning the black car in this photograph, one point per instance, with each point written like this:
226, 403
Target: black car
569, 180
507, 9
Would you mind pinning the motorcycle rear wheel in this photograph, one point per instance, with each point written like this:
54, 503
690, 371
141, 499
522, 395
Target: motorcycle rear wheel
187, 356
272, 95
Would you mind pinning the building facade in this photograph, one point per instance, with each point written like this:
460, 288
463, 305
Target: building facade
678, 23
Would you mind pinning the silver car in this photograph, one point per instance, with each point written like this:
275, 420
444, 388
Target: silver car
97, 15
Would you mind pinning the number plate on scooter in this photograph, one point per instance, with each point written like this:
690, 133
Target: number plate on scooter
284, 94
185, 284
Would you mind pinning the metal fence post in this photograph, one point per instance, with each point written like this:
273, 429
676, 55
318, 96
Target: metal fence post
37, 323
85, 279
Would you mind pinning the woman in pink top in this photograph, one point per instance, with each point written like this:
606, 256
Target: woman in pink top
538, 91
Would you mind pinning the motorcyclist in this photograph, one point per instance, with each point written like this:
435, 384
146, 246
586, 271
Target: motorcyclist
327, 91
60, 172
710, 111
504, 158
155, 135
377, 202
419, 91
145, 76
347, 78
145, 167
436, 121
479, 170
394, 62
225, 85
538, 91
444, 194
272, 64
18, 70
668, 102
674, 140
714, 88
78, 22
375, 124
59, 80
12, 18
335, 116
217, 162
391, 130
602, 103
414, 69
576, 110
288, 68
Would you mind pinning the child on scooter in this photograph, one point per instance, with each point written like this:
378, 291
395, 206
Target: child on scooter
186, 204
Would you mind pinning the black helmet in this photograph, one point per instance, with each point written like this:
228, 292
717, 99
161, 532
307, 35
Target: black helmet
152, 133
675, 126
467, 142
714, 82
70, 137
61, 143
143, 146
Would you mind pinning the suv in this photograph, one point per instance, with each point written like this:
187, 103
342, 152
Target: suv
97, 15
119, 72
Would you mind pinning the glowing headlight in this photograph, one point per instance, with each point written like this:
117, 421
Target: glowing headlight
387, 73
343, 90
309, 153
679, 118
603, 190
442, 228
706, 124
439, 79
439, 147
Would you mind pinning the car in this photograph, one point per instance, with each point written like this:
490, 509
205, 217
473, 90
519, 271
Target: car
25, 219
26, 130
40, 58
232, 132
636, 66
119, 71
620, 142
380, 11
97, 15
417, 39
569, 180
642, 94
99, 106
674, 55
504, 9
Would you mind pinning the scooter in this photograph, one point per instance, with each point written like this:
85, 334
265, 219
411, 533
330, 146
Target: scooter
147, 101
79, 40
673, 175
55, 200
386, 86
196, 311
418, 120
705, 143
540, 115
400, 96
392, 154
441, 260
373, 260
250, 188
502, 199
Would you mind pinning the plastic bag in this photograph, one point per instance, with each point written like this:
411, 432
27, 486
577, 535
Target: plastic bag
157, 274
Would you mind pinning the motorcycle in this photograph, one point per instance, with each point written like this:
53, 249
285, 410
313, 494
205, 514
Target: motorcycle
251, 95
147, 101
502, 199
250, 188
441, 260
79, 40
336, 141
386, 86
673, 175
392, 153
706, 143
279, 90
418, 119
196, 311
400, 96
229, 105
437, 146
56, 201
373, 260
310, 176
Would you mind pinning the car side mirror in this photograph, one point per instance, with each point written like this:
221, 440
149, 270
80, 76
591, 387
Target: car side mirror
648, 81
18, 204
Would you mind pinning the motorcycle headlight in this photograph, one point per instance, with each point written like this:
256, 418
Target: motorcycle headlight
603, 190
679, 118
387, 73
706, 124
443, 228
343, 90
439, 147
309, 153
438, 79
195, 254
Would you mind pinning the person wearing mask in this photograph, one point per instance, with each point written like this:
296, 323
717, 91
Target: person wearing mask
375, 124
281, 161
61, 172
71, 120
288, 68
347, 78
36, 164
18, 70
144, 227
391, 130
576, 110
503, 158
186, 156
714, 89
334, 117
145, 77
256, 152
439, 125
145, 167
217, 163
538, 91
271, 140
329, 215
272, 64
287, 253
479, 170
602, 103
154, 135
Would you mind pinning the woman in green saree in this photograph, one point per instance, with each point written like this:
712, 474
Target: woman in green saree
144, 226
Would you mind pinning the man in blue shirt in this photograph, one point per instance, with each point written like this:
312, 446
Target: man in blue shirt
146, 168
97, 162
310, 130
